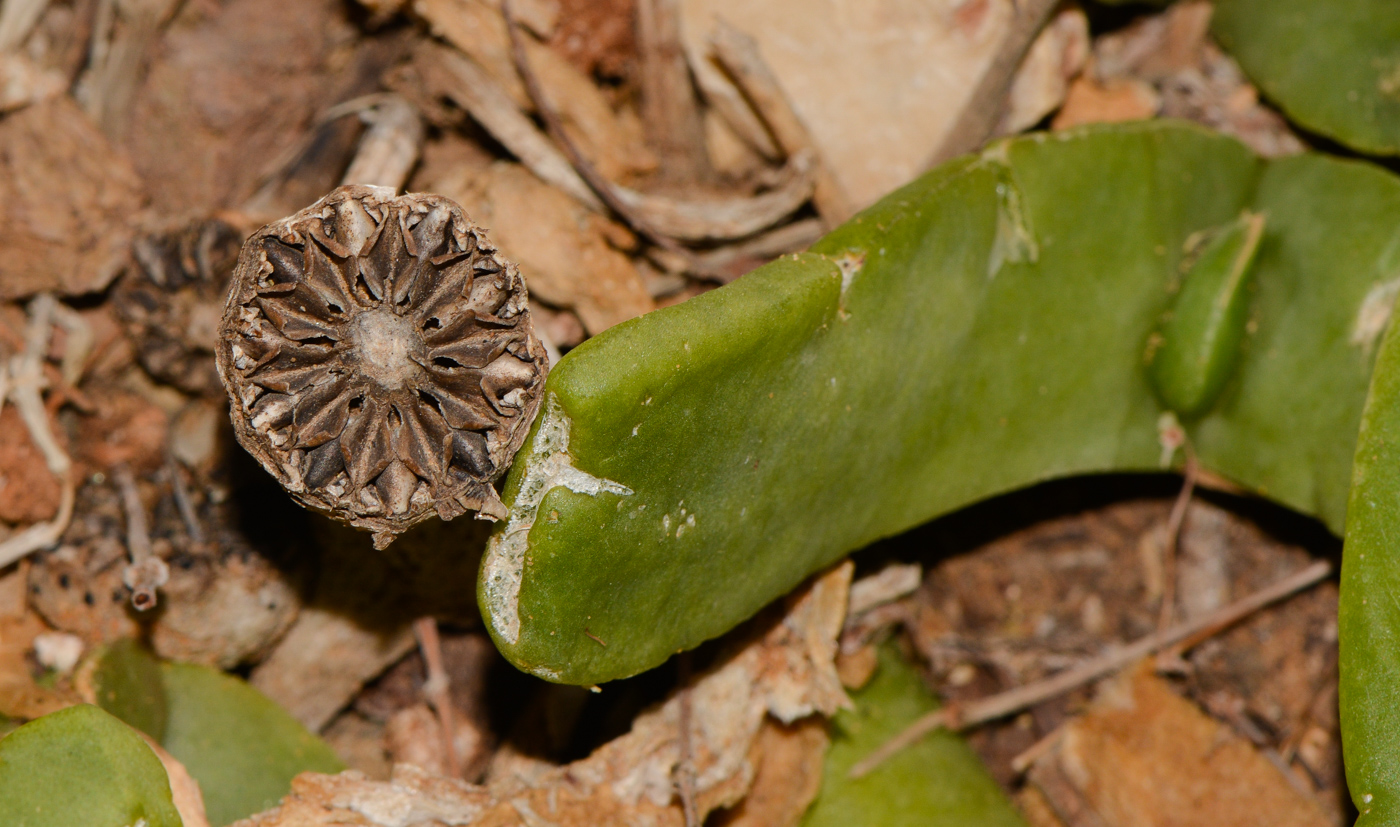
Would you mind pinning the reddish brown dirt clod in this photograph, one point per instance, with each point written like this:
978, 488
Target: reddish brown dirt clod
380, 359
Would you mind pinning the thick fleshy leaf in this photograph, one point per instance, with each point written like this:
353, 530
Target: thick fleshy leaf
129, 685
978, 331
81, 767
939, 781
242, 748
1331, 65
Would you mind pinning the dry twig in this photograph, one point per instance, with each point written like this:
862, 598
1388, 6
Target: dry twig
22, 382
1172, 541
669, 109
603, 188
979, 119
738, 54
998, 706
437, 689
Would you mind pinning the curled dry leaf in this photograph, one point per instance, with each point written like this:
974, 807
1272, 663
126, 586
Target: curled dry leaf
380, 359
786, 674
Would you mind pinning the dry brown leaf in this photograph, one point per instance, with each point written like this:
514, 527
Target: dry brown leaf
786, 674
560, 245
66, 197
1145, 757
787, 776
20, 696
23, 82
223, 604
1056, 58
1093, 101
323, 661
184, 790
228, 90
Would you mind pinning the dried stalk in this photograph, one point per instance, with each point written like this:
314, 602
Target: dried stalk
22, 383
962, 717
489, 105
146, 572
727, 218
17, 20
725, 264
979, 119
389, 149
739, 56
603, 188
670, 111
437, 689
1172, 542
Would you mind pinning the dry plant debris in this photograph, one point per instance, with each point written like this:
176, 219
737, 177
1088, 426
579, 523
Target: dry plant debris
785, 675
150, 137
380, 359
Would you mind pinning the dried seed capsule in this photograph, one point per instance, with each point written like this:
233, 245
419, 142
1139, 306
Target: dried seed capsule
171, 297
380, 359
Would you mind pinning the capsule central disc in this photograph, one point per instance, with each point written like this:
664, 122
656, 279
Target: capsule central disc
385, 345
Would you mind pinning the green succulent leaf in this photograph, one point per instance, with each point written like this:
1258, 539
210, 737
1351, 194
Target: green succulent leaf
1332, 65
1369, 616
81, 767
975, 332
243, 749
129, 685
936, 782
1201, 337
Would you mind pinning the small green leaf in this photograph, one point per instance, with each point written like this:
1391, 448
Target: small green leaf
939, 781
243, 749
1332, 65
129, 686
81, 767
1201, 337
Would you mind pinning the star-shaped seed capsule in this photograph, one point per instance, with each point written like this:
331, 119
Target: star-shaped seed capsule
380, 360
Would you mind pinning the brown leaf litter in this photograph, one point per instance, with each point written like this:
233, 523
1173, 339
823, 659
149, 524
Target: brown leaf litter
1143, 756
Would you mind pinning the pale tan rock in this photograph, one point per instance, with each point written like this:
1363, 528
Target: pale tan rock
878, 83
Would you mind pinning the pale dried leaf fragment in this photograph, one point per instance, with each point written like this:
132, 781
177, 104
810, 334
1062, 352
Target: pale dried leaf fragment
23, 82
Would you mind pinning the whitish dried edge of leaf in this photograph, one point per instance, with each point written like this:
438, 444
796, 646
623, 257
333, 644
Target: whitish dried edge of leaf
380, 359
